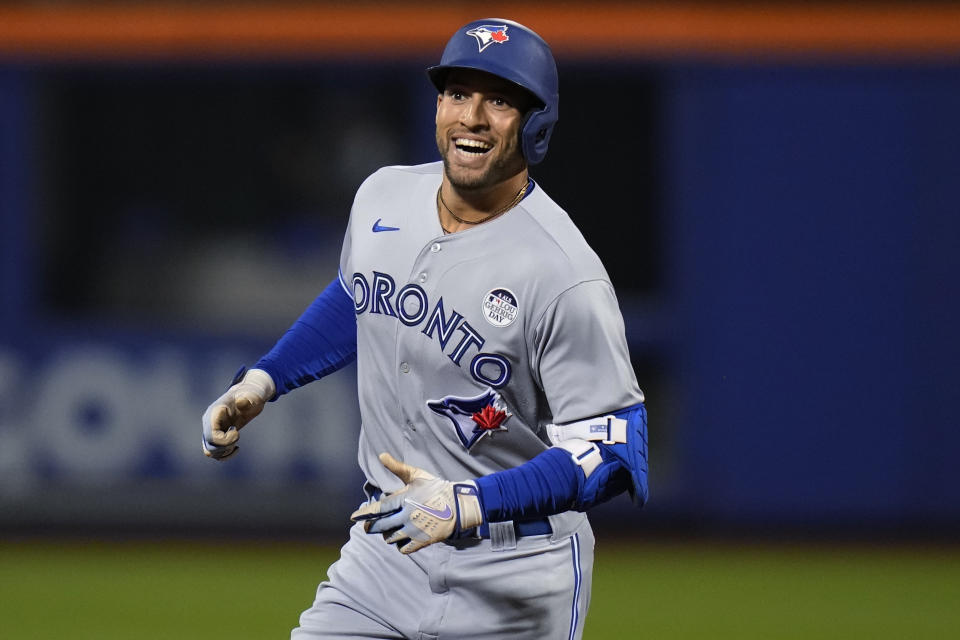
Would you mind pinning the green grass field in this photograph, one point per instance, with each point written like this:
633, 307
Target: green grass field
698, 590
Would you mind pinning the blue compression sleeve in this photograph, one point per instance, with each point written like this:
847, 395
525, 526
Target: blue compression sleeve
548, 484
321, 341
545, 485
552, 482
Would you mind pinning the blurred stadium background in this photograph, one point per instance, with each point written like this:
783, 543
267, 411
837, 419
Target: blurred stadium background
773, 186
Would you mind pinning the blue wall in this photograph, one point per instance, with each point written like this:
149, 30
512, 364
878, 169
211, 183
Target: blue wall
815, 246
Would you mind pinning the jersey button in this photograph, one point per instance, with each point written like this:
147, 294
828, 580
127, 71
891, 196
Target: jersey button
422, 277
404, 367
435, 248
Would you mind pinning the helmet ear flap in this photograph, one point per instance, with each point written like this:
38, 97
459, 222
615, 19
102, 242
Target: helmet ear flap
535, 134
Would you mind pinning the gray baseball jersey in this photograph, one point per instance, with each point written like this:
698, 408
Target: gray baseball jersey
518, 313
467, 346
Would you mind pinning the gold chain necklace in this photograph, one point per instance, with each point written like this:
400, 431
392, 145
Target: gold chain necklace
510, 205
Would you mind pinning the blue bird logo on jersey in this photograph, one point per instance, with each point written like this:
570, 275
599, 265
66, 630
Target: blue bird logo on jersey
473, 418
487, 34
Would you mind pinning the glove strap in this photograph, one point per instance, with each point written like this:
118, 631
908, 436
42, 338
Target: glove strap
469, 512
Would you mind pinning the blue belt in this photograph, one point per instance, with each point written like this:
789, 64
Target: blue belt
522, 528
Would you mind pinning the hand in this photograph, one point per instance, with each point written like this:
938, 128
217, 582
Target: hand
427, 510
241, 403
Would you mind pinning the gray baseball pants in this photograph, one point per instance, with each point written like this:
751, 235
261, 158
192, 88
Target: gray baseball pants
464, 590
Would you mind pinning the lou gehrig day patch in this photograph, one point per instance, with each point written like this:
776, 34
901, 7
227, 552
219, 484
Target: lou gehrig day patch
500, 307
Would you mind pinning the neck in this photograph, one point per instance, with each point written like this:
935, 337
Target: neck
462, 208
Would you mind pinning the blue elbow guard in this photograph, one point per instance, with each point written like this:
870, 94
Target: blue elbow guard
611, 451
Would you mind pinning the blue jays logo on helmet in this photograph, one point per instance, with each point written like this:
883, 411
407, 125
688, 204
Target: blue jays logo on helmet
472, 418
488, 34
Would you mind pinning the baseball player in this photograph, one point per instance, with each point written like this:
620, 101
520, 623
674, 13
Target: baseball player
497, 398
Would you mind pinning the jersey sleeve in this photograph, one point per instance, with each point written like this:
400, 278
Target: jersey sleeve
581, 355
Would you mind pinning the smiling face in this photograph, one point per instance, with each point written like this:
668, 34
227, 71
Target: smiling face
479, 117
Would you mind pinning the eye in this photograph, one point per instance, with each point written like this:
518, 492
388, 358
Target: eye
500, 102
456, 94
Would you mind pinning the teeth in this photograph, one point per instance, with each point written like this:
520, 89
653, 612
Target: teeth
474, 144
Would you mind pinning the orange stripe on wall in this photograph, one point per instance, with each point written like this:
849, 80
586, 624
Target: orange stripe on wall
401, 30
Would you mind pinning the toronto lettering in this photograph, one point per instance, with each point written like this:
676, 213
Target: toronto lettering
411, 305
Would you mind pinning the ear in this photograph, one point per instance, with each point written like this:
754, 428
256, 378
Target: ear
439, 100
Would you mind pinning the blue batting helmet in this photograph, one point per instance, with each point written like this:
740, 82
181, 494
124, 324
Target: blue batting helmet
513, 52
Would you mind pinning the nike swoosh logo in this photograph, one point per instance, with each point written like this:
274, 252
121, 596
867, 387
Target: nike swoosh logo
377, 227
446, 514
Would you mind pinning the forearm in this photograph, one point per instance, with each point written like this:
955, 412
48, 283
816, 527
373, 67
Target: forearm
548, 484
545, 485
321, 341
591, 462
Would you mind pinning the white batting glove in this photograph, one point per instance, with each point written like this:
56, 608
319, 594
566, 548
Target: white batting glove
241, 403
427, 510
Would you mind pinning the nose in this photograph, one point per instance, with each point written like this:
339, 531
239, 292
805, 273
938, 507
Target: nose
474, 116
